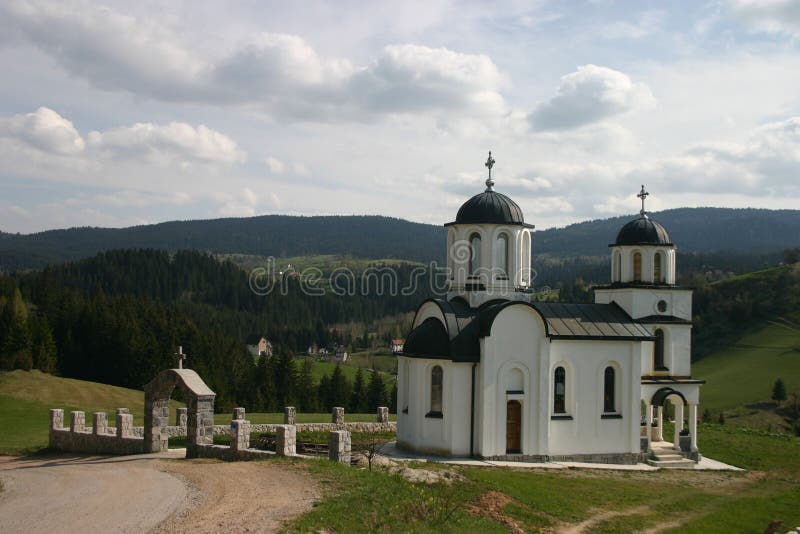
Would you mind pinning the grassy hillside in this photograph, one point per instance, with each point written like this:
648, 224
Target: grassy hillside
26, 398
745, 372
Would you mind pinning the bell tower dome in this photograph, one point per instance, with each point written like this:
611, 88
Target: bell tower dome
643, 253
488, 247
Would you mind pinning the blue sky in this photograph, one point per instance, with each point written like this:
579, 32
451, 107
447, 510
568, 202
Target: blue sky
121, 113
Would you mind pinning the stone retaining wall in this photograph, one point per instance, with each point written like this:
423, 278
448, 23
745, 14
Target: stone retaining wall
96, 439
225, 430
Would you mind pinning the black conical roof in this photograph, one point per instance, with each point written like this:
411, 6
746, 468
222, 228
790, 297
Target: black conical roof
643, 231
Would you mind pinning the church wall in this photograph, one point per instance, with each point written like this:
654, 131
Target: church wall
514, 346
587, 432
418, 429
642, 302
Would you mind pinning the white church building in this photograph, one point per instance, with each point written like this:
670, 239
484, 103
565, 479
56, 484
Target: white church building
488, 372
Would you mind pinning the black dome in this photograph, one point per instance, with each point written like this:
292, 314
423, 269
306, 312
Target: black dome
643, 231
490, 207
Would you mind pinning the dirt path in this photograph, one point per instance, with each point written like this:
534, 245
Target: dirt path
148, 493
239, 497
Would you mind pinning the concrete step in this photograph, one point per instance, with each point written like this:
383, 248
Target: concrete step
683, 463
668, 457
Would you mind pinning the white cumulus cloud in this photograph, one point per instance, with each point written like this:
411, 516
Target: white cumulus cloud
166, 141
44, 129
588, 95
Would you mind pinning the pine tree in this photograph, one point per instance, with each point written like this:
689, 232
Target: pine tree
44, 346
779, 391
285, 380
307, 395
16, 350
377, 392
340, 388
358, 400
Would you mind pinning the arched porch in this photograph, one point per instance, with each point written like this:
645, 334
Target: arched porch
684, 439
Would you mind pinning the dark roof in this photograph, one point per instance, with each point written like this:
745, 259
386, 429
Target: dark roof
590, 321
490, 207
253, 339
663, 319
643, 231
458, 340
429, 340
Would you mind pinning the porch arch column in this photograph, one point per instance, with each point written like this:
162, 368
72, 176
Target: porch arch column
660, 421
678, 424
648, 421
693, 426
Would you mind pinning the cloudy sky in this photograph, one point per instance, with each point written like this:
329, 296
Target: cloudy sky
122, 113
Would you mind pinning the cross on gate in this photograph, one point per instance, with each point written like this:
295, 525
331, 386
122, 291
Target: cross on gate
181, 356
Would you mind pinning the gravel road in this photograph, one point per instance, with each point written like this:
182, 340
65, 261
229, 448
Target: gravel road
145, 493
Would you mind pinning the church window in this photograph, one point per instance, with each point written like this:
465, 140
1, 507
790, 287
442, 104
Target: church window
526, 257
436, 390
637, 267
559, 391
658, 276
501, 256
617, 267
658, 351
474, 253
608, 390
661, 306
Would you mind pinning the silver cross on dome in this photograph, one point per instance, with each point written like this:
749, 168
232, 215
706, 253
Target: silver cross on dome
643, 195
489, 164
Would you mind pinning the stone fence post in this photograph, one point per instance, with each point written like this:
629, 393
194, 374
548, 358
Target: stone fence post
339, 446
77, 422
238, 413
287, 440
124, 425
180, 416
99, 423
383, 414
123, 410
56, 419
337, 415
240, 434
289, 415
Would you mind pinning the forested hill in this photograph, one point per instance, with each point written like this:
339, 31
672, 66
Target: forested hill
267, 235
692, 229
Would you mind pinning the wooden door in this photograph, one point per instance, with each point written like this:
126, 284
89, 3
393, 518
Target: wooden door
513, 427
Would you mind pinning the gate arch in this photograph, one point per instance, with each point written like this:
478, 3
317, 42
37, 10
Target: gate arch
200, 410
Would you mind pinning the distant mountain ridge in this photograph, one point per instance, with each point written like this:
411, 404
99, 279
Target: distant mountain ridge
370, 236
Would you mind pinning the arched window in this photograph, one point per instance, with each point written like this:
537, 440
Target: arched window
617, 267
608, 390
526, 257
474, 253
501, 255
436, 390
658, 268
658, 351
637, 267
560, 391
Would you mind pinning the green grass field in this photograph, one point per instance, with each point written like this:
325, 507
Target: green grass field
26, 399
745, 372
505, 499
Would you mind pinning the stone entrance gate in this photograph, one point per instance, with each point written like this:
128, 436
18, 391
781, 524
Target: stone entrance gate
200, 410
